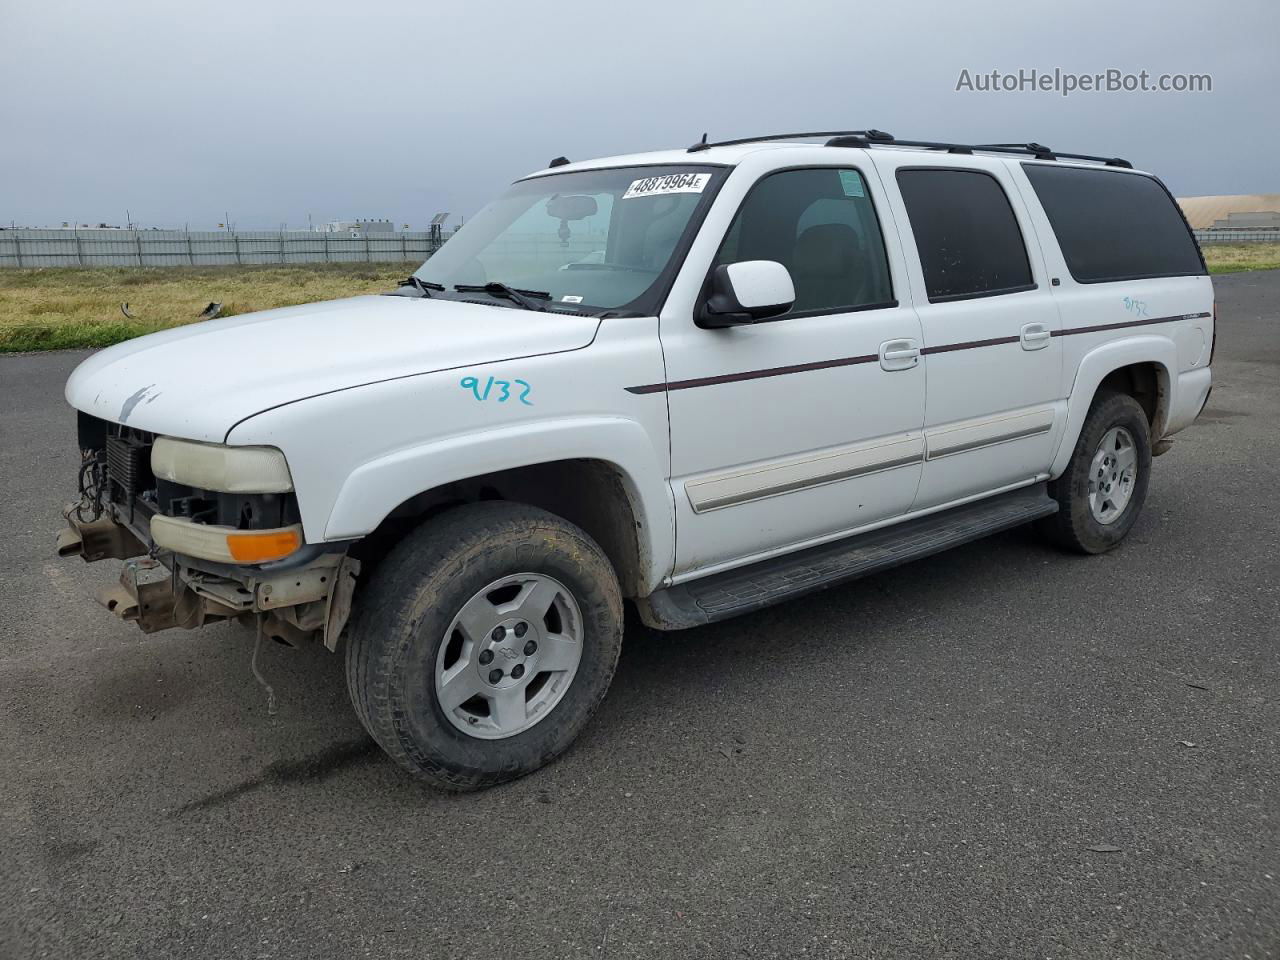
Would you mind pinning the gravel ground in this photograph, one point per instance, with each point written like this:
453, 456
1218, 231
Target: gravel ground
1002, 751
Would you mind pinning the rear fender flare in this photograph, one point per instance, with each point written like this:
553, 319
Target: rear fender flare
1094, 368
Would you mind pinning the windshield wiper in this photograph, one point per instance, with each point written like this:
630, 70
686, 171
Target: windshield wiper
424, 287
525, 298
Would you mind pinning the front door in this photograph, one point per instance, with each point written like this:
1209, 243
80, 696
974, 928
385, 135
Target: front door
809, 426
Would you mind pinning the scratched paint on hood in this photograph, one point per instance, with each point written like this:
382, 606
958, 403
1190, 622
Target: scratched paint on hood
133, 401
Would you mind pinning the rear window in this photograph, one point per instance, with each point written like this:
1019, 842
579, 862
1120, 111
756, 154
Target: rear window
969, 241
1115, 226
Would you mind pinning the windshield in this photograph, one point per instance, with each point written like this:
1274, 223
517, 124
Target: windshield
591, 240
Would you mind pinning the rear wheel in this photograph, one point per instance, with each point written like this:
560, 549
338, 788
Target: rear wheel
485, 644
1102, 491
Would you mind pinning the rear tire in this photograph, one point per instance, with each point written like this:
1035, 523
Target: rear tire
484, 644
1102, 491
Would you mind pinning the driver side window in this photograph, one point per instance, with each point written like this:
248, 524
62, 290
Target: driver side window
821, 225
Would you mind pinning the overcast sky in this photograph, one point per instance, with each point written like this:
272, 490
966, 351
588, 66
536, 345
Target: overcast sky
276, 109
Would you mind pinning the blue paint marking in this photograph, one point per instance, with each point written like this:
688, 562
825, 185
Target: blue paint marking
504, 389
1137, 307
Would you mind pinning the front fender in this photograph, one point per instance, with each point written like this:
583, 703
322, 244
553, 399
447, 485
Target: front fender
1094, 368
377, 487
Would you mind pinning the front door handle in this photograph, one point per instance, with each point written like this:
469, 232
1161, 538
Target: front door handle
899, 354
1035, 336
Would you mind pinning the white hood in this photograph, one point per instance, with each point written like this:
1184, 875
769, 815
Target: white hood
199, 380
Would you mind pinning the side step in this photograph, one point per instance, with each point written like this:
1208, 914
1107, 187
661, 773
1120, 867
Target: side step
771, 581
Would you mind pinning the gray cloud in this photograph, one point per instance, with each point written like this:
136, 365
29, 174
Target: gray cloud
273, 110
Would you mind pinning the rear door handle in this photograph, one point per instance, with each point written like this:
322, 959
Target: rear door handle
1035, 336
899, 354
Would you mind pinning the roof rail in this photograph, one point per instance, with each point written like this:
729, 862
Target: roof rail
1039, 150
878, 138
859, 134
1045, 153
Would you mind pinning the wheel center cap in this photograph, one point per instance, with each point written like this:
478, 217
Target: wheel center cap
503, 661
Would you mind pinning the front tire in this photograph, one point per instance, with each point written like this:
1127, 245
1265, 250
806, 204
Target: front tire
1102, 491
484, 644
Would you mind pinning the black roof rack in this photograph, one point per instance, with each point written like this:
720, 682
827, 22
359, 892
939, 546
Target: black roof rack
1041, 152
838, 134
878, 138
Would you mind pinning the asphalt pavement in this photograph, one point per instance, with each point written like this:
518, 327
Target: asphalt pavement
1002, 751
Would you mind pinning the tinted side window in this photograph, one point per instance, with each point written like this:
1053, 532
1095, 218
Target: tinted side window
1114, 226
821, 225
967, 235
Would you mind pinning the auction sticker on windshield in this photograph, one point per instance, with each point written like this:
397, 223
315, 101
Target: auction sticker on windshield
671, 183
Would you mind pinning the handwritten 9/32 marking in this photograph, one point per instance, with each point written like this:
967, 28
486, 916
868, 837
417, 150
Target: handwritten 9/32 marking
1138, 307
504, 389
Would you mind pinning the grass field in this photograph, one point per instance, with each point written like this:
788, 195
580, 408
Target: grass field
63, 307
1234, 257
67, 307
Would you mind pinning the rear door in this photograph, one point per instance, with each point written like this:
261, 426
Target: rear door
994, 402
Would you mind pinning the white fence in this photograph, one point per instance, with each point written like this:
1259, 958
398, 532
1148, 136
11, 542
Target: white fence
169, 248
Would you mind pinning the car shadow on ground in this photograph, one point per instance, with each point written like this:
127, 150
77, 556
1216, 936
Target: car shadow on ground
315, 736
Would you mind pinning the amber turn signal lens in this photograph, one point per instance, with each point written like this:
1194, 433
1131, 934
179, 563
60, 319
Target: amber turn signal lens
263, 547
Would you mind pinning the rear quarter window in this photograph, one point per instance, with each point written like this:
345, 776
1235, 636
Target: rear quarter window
1115, 226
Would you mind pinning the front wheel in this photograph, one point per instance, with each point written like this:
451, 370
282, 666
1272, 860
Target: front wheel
484, 644
1102, 491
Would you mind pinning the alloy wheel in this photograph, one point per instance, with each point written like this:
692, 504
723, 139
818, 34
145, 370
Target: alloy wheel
509, 656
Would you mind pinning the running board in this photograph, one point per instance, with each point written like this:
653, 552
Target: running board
782, 578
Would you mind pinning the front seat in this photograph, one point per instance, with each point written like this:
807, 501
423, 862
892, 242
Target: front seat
827, 267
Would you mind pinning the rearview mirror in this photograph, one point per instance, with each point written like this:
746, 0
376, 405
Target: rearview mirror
747, 292
571, 208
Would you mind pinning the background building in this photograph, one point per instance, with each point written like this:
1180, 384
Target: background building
360, 226
1242, 211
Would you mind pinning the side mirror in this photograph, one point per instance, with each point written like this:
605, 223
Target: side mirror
747, 292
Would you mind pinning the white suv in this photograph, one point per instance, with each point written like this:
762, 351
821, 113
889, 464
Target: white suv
703, 380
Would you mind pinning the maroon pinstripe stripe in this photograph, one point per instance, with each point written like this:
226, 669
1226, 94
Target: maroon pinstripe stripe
753, 374
968, 345
1131, 323
872, 358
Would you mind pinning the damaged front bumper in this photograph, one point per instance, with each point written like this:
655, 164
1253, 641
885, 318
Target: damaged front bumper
306, 597
100, 539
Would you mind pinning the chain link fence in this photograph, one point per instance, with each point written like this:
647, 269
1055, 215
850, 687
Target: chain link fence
1238, 235
170, 248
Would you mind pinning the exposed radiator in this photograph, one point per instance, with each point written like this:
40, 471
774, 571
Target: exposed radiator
128, 467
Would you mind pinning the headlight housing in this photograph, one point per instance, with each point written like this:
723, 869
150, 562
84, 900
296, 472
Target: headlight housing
215, 466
